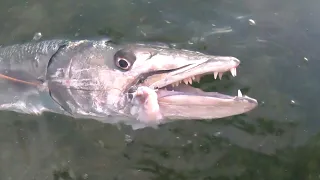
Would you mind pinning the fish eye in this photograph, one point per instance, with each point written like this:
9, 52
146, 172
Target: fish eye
124, 59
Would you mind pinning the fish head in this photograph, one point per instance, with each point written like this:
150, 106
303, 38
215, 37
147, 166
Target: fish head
168, 74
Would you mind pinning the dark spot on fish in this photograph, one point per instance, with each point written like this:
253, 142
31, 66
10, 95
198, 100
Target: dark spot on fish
140, 81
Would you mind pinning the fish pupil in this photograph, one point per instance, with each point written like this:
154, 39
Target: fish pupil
123, 63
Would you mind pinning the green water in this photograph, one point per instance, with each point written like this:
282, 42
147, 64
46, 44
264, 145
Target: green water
278, 140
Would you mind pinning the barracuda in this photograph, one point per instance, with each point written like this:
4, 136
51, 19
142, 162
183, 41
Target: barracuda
135, 83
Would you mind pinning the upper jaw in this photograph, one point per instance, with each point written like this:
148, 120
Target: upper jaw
216, 65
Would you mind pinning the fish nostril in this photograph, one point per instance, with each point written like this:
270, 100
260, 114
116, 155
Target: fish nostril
130, 96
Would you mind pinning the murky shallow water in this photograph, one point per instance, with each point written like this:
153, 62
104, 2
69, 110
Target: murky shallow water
279, 54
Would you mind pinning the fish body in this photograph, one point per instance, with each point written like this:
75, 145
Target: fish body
134, 83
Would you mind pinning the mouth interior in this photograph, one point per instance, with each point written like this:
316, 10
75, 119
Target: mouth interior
184, 87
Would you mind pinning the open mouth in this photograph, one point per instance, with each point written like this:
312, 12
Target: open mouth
180, 99
177, 83
177, 98
183, 85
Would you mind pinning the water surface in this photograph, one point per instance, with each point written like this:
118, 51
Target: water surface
277, 42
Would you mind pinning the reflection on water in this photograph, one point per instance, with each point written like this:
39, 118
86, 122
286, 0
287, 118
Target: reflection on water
278, 140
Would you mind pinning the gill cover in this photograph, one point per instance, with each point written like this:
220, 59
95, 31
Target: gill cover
70, 75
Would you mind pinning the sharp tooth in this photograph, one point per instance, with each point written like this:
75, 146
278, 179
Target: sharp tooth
215, 75
233, 72
175, 84
239, 93
220, 75
198, 78
193, 77
190, 81
185, 81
